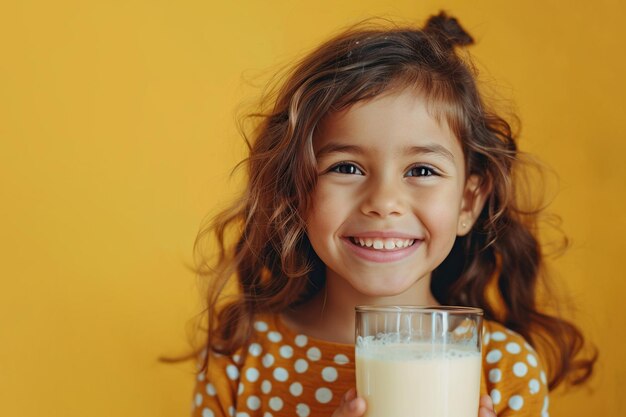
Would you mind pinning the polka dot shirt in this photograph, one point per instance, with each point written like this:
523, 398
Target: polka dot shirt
289, 374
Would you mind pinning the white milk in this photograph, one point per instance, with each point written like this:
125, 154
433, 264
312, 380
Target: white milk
415, 380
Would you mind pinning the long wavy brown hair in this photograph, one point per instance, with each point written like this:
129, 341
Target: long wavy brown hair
262, 246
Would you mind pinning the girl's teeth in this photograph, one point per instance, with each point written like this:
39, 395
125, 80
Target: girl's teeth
387, 244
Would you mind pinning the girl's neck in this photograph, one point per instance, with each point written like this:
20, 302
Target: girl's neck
330, 315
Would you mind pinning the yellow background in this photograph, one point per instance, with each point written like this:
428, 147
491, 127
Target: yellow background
117, 136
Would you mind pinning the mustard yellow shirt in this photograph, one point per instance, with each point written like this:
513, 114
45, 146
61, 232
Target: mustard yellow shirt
286, 374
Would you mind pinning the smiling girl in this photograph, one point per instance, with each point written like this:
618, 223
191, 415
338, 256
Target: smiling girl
379, 177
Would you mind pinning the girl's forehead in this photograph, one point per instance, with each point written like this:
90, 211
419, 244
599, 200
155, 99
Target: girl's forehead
395, 117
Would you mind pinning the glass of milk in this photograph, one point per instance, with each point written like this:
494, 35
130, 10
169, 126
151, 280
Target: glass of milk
419, 361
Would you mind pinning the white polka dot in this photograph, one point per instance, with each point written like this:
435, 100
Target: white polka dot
240, 389
516, 402
498, 336
276, 403
296, 389
286, 351
494, 356
201, 377
231, 411
281, 374
210, 389
520, 369
513, 348
461, 329
545, 414
255, 349
237, 358
314, 354
267, 414
546, 402
198, 400
341, 359
487, 338
542, 376
232, 372
301, 340
495, 396
254, 402
495, 375
323, 395
243, 414
260, 326
329, 374
533, 386
302, 410
532, 360
301, 366
207, 413
266, 387
275, 336
268, 360
252, 374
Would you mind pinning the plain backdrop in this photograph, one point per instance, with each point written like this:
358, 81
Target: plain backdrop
118, 134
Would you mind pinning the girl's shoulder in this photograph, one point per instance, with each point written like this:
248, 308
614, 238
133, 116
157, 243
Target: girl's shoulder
273, 345
498, 336
278, 369
513, 372
272, 335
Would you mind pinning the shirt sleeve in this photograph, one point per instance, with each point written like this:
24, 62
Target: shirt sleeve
215, 392
515, 377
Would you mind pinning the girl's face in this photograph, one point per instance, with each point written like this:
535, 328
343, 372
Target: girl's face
391, 195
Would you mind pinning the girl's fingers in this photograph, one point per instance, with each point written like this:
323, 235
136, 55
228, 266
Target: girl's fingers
486, 412
351, 405
485, 401
486, 408
350, 395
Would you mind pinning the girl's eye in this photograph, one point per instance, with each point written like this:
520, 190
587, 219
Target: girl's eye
346, 168
421, 171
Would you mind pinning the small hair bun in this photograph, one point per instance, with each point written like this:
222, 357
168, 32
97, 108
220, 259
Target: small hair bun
448, 29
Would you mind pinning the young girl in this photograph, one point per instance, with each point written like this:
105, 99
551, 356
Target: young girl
379, 177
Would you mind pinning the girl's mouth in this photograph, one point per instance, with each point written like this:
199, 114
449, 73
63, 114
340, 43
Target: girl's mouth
382, 244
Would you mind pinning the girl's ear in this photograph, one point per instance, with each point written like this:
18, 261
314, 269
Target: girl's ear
475, 195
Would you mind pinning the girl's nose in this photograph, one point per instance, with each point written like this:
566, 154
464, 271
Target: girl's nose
383, 199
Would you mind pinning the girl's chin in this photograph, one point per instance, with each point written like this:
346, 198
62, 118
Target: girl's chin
385, 290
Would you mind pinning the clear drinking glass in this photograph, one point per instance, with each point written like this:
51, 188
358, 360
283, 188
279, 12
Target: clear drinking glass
419, 361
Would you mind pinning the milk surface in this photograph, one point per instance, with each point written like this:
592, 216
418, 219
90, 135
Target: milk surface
418, 380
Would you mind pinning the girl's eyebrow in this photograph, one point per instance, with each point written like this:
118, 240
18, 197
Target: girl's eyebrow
433, 148
333, 147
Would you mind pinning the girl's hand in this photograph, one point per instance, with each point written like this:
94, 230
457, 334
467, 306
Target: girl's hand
485, 408
351, 405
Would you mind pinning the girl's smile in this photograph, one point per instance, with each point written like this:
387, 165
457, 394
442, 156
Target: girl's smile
389, 246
